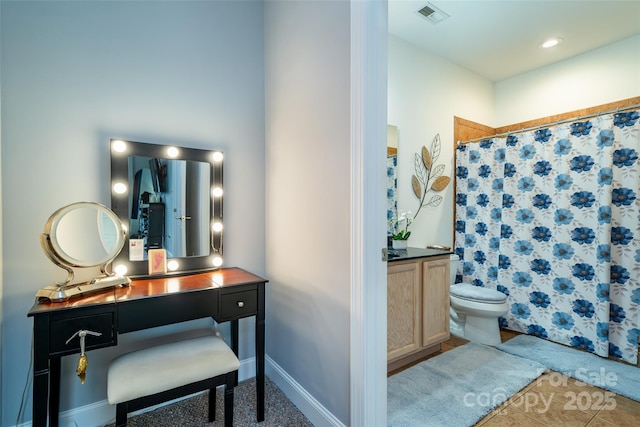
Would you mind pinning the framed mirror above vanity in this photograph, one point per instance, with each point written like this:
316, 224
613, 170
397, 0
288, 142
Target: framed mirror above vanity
169, 198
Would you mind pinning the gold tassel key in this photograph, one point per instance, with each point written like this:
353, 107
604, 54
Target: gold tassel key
81, 370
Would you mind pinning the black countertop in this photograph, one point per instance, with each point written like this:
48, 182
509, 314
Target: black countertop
411, 253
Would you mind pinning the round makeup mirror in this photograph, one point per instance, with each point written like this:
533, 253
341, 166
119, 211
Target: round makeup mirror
82, 235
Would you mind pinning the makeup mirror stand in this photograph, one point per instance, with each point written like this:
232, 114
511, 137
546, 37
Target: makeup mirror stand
68, 242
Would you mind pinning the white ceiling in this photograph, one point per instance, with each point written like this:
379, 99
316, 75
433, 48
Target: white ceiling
499, 39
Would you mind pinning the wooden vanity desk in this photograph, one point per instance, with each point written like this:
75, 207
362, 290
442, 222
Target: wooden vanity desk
226, 295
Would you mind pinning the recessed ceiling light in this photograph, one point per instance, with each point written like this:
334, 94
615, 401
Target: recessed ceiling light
551, 42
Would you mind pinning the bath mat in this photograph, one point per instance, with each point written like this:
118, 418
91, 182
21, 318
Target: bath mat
456, 388
586, 367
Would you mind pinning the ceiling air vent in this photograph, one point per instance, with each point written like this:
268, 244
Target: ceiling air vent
433, 14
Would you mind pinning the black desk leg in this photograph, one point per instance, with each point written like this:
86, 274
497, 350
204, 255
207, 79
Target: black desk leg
40, 397
260, 368
41, 371
260, 322
234, 340
54, 391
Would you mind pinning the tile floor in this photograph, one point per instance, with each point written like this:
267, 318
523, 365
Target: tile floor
557, 400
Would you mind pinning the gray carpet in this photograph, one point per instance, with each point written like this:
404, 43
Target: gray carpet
586, 367
456, 388
192, 412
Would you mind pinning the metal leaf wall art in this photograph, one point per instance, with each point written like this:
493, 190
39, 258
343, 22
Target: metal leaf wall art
429, 177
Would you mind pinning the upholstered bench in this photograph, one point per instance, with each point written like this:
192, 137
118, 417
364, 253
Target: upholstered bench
164, 372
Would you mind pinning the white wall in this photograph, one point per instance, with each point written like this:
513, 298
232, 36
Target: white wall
425, 92
307, 80
75, 74
604, 75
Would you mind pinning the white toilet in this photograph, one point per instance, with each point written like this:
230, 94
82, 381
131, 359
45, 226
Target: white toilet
475, 310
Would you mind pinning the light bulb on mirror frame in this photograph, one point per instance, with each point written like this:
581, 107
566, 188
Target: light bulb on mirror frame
173, 265
120, 270
217, 156
173, 152
119, 188
119, 146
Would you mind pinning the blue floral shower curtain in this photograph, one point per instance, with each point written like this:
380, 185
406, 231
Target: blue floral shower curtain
550, 218
392, 191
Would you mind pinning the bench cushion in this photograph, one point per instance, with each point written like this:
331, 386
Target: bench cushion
167, 366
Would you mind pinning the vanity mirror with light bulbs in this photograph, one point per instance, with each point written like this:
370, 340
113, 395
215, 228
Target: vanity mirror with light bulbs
169, 198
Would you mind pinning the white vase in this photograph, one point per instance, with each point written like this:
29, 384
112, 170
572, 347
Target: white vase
399, 244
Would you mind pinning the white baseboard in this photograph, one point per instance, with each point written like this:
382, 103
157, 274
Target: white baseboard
305, 402
101, 413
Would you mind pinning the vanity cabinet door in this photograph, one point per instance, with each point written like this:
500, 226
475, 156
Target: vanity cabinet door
403, 309
435, 300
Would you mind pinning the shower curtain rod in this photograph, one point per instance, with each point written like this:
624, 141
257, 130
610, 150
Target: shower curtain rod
546, 125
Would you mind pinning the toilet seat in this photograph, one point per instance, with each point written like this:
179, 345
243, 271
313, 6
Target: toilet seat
469, 292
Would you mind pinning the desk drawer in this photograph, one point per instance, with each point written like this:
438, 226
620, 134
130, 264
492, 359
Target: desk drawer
238, 304
63, 329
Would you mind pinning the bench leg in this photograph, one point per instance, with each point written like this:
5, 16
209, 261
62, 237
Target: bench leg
228, 399
121, 414
212, 404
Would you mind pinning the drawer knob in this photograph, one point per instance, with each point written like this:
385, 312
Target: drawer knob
240, 304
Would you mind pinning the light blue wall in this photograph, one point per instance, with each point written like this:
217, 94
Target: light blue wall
75, 74
308, 88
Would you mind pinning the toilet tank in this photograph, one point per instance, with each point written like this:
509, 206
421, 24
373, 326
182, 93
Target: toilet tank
454, 260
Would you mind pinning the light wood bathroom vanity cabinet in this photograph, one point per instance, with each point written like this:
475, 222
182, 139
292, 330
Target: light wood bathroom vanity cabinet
417, 305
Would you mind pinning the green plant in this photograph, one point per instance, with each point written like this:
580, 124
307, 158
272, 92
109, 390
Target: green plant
399, 232
429, 177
